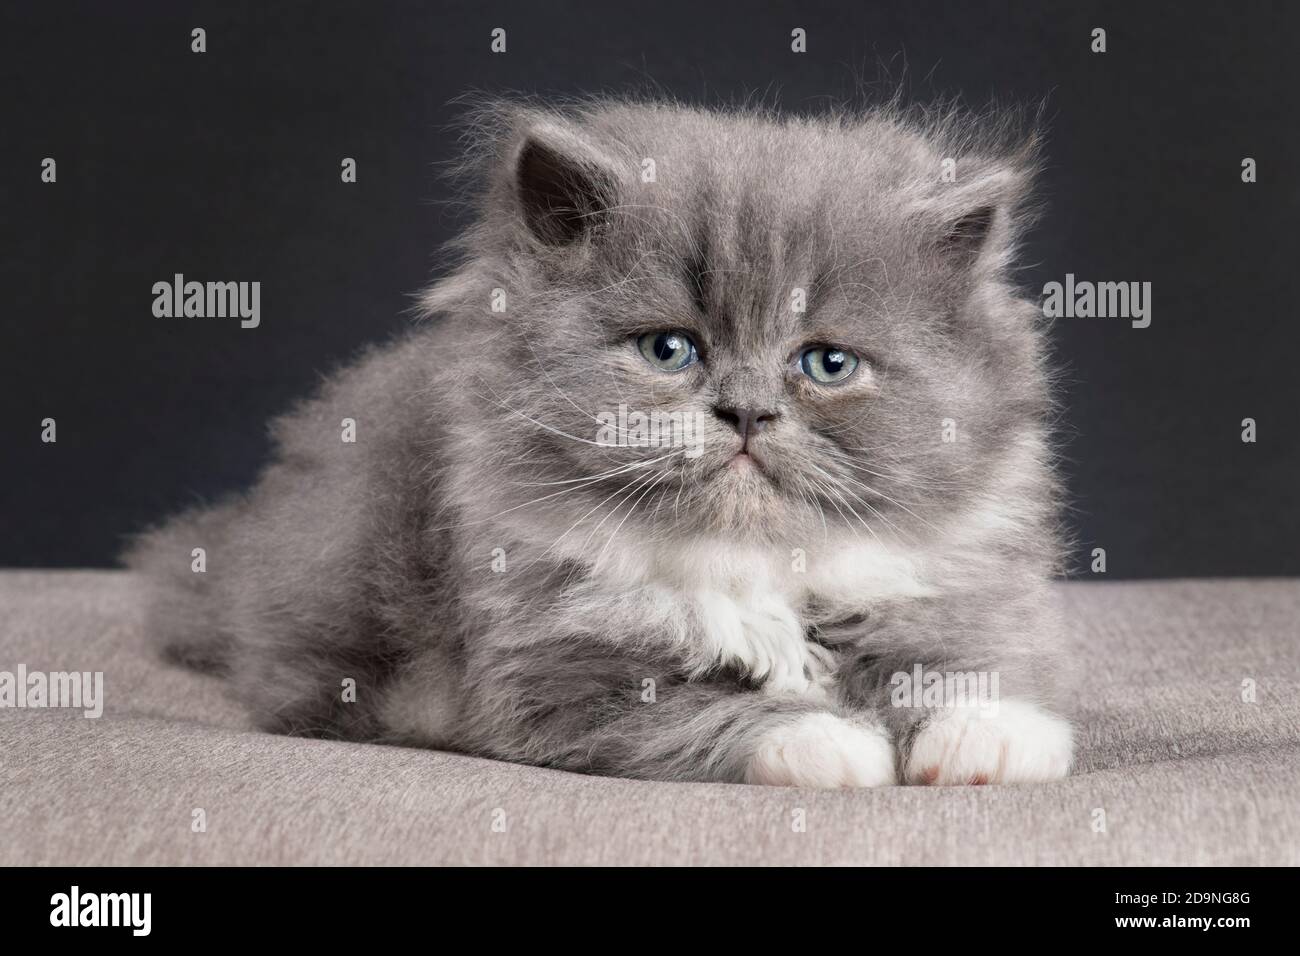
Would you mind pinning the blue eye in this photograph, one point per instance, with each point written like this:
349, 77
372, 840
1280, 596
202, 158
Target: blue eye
826, 365
669, 351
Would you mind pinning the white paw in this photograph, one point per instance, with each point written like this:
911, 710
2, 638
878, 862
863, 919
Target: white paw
825, 752
763, 636
1016, 742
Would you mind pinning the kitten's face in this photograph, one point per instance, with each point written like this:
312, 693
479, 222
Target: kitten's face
814, 325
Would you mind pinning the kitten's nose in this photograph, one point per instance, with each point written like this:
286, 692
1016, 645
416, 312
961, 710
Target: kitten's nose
746, 421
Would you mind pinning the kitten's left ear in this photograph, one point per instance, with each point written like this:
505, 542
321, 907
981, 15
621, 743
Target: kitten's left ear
976, 222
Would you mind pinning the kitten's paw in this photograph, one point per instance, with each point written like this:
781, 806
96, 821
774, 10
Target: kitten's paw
824, 752
1019, 742
762, 636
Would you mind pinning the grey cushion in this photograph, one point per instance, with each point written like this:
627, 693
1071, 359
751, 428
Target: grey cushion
1185, 771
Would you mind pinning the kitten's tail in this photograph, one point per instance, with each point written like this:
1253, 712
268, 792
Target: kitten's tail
186, 615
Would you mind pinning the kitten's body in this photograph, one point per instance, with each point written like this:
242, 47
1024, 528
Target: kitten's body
496, 581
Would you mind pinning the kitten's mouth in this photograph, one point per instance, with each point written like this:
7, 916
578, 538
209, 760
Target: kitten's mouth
744, 460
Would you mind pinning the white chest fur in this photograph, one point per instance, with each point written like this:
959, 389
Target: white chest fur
748, 603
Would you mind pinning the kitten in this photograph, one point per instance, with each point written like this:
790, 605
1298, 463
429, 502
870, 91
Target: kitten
867, 496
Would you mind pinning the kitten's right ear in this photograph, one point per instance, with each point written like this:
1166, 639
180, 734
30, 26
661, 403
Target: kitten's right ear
564, 185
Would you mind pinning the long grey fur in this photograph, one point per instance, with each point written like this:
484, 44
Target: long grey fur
453, 561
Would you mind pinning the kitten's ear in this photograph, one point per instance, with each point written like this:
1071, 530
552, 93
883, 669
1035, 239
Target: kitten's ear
563, 184
963, 238
977, 221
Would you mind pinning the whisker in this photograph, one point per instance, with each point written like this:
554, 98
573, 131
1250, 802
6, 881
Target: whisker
840, 493
635, 486
549, 428
827, 492
608, 474
569, 530
610, 541
555, 494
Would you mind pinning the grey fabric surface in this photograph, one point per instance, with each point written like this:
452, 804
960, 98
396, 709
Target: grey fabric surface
1185, 770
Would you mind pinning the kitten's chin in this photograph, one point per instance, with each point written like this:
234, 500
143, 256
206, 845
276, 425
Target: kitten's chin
746, 499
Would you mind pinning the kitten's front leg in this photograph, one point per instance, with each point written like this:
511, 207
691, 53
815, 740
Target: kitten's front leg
823, 751
1017, 741
961, 692
612, 707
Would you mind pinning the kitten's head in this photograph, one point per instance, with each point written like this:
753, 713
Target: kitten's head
742, 324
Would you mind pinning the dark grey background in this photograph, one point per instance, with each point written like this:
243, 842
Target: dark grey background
226, 166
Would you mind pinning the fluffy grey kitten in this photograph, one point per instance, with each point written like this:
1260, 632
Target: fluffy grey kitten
724, 440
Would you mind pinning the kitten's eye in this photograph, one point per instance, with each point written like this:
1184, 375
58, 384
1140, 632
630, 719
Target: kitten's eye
670, 351
827, 365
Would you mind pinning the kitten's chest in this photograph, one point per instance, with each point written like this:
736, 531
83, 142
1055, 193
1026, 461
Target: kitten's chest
848, 577
752, 607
